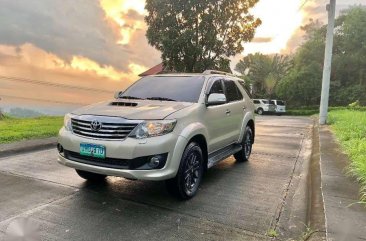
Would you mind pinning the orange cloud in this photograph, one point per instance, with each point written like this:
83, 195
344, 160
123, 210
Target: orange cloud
278, 28
85, 64
30, 55
118, 10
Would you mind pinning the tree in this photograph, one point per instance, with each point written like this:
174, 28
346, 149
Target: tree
195, 35
348, 80
301, 87
264, 72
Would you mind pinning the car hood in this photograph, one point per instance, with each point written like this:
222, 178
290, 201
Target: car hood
133, 109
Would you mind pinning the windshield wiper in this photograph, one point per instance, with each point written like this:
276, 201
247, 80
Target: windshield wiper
130, 97
160, 98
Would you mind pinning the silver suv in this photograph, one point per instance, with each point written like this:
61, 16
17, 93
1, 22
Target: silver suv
169, 127
263, 106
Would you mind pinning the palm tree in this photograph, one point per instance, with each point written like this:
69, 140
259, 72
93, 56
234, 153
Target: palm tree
264, 71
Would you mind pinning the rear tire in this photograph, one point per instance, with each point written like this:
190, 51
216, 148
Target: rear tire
247, 142
90, 176
260, 111
186, 183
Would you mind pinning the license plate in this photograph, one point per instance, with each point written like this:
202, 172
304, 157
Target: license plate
92, 150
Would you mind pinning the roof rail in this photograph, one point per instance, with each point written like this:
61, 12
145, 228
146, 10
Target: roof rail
209, 71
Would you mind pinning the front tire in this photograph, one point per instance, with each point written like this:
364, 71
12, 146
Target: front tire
185, 184
90, 176
260, 111
247, 142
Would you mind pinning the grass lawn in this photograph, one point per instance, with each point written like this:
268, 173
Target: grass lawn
14, 129
350, 128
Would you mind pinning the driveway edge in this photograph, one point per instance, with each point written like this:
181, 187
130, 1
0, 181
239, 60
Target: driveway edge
27, 146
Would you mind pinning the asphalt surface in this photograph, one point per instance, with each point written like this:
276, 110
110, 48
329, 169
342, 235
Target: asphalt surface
236, 201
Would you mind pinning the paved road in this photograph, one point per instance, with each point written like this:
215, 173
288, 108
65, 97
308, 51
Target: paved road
235, 202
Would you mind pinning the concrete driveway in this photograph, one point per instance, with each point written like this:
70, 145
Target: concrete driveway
237, 201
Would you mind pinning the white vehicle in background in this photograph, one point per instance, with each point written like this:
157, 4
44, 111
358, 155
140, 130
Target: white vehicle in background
280, 106
263, 106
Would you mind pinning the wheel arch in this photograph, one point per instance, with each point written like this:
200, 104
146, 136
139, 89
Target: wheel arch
201, 141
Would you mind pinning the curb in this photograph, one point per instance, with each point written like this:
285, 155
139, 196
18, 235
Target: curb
27, 146
345, 217
316, 214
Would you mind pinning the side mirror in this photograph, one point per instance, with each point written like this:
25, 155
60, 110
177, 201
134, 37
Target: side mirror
216, 99
118, 94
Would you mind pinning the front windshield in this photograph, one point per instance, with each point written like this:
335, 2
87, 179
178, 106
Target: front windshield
166, 88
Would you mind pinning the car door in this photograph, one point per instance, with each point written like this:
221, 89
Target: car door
215, 117
235, 109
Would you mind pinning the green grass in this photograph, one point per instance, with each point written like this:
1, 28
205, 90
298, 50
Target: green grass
350, 128
313, 110
14, 129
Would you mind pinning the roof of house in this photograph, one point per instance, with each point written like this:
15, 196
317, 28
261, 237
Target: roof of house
154, 70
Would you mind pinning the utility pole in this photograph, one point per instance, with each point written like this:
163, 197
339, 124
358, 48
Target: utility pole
327, 64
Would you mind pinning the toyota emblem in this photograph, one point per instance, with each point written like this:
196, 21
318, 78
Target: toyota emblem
95, 125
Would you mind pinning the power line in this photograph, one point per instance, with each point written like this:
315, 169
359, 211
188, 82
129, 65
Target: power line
302, 5
52, 84
42, 100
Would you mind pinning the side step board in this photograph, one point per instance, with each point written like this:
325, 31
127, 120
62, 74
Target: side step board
222, 154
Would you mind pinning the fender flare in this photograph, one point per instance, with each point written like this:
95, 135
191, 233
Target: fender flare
248, 116
194, 129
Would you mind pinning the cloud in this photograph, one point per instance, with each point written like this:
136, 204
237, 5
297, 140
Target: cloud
27, 54
127, 15
30, 62
74, 28
316, 10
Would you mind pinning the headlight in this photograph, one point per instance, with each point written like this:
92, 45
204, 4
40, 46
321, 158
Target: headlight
67, 122
153, 128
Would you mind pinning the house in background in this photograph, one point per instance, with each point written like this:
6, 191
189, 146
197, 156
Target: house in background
157, 69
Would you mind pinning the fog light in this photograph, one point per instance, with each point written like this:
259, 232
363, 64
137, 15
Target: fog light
155, 161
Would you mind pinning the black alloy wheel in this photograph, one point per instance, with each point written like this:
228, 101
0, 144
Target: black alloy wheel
247, 144
188, 179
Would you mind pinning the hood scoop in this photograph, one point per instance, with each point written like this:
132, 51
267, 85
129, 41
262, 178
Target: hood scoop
120, 103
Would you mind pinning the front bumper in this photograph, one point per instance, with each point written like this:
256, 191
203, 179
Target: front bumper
128, 149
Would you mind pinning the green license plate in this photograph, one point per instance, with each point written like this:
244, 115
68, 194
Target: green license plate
92, 150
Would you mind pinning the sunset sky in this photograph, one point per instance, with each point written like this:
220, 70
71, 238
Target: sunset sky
101, 44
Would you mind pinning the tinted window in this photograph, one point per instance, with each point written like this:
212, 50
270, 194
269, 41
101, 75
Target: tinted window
217, 88
256, 101
179, 88
271, 102
280, 102
232, 91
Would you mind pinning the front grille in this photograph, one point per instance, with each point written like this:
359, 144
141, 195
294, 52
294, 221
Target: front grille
111, 128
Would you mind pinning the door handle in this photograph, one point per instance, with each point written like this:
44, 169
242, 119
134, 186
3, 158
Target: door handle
228, 112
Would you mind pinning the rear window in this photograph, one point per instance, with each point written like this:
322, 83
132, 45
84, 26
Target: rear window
265, 101
281, 102
178, 88
271, 102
